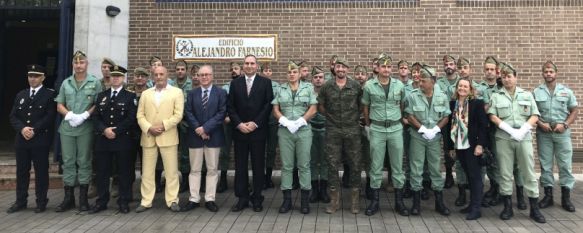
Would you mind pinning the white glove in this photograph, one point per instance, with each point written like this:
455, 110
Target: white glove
422, 130
84, 115
436, 129
506, 127
284, 121
69, 115
523, 131
76, 120
300, 122
367, 132
293, 128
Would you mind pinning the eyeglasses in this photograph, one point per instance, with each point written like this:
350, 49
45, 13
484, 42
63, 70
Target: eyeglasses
204, 75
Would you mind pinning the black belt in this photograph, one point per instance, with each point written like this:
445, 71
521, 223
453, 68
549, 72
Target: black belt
318, 126
386, 124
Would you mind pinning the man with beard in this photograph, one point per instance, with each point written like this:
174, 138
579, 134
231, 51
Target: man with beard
375, 68
304, 71
182, 81
447, 85
339, 101
332, 62
558, 108
224, 157
249, 106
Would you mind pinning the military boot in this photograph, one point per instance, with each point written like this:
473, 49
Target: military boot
334, 200
507, 212
355, 197
520, 202
399, 205
373, 205
416, 207
535, 213
68, 201
566, 199
439, 205
305, 202
287, 202
461, 198
548, 199
83, 200
315, 195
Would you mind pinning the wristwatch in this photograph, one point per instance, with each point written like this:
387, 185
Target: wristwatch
566, 125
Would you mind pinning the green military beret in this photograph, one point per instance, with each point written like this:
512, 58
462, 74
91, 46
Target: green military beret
427, 72
507, 68
491, 60
265, 66
549, 64
154, 59
108, 61
403, 63
302, 63
386, 60
141, 71
360, 69
118, 71
291, 65
317, 70
181, 63
462, 61
334, 58
35, 69
235, 64
448, 58
342, 61
79, 55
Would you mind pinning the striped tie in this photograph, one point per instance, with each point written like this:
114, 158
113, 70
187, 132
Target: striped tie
205, 99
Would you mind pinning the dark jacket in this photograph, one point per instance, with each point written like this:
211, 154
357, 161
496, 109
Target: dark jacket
477, 124
254, 107
38, 113
119, 113
210, 119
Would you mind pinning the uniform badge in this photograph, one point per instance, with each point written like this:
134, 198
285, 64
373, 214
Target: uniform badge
135, 102
104, 99
22, 101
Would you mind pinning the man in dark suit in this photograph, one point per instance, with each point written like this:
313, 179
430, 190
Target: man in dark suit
115, 121
32, 117
205, 110
249, 106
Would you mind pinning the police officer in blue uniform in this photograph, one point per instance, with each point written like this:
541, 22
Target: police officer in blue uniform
115, 121
32, 117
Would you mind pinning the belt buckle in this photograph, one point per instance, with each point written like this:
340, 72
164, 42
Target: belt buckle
387, 124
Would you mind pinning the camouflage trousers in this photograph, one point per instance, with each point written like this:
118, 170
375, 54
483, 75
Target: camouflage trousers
347, 141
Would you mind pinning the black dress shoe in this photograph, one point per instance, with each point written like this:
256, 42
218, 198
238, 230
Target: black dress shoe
211, 206
96, 209
241, 205
15, 207
40, 209
124, 208
258, 204
190, 206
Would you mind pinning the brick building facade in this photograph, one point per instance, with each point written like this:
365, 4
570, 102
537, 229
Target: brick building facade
525, 33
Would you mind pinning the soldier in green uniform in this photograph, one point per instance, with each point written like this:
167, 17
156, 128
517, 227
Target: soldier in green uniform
339, 101
558, 110
374, 68
319, 161
106, 65
294, 105
330, 75
154, 62
182, 81
224, 157
361, 75
427, 112
514, 111
490, 75
447, 84
75, 102
304, 71
270, 150
382, 98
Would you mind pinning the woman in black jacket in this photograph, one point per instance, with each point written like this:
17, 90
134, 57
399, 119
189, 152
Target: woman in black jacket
468, 138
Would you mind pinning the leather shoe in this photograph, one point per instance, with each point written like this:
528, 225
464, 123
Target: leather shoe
96, 209
40, 208
258, 204
211, 206
241, 205
124, 208
141, 209
15, 207
174, 207
190, 206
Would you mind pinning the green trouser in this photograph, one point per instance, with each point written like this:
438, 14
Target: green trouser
365, 155
319, 161
551, 146
224, 156
345, 140
406, 142
76, 152
295, 147
493, 171
509, 153
460, 174
421, 150
382, 143
271, 145
184, 160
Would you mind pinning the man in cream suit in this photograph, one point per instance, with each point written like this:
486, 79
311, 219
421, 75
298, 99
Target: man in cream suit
159, 111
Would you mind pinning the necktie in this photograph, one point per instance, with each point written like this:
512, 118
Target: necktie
249, 84
113, 96
205, 99
32, 94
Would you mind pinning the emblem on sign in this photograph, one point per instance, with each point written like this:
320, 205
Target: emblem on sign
184, 47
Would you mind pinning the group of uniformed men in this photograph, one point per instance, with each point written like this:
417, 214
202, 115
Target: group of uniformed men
358, 121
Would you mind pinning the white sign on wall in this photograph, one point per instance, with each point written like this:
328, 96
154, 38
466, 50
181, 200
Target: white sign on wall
224, 47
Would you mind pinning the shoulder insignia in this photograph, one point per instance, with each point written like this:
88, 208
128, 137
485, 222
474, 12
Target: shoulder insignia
22, 101
135, 102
